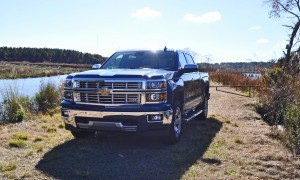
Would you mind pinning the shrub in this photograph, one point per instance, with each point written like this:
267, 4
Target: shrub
279, 104
48, 96
14, 107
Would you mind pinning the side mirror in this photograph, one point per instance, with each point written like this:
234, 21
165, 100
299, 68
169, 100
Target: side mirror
96, 66
190, 68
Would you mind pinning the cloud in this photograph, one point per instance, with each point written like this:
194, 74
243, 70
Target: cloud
145, 13
262, 41
208, 17
255, 28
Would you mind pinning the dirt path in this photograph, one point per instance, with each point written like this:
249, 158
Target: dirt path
233, 143
244, 145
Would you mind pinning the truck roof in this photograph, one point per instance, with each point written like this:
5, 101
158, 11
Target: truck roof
172, 50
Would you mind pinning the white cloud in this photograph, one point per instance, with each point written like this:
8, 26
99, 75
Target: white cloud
208, 17
145, 13
255, 28
262, 41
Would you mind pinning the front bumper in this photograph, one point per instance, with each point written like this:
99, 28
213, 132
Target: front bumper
115, 121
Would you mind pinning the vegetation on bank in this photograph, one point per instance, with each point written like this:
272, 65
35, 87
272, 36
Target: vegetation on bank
279, 104
233, 79
16, 108
14, 70
280, 95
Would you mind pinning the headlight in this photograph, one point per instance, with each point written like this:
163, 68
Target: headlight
156, 84
68, 83
156, 97
68, 95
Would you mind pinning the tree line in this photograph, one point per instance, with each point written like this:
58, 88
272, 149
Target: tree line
34, 55
254, 67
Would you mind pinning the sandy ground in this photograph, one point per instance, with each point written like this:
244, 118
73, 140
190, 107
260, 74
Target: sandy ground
233, 143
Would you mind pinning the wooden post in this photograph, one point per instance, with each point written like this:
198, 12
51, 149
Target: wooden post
249, 91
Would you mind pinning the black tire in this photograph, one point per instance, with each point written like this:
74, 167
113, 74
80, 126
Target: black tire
82, 134
176, 125
204, 107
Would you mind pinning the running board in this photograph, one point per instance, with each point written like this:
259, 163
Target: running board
190, 117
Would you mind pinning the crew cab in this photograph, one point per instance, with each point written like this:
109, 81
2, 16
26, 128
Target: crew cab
141, 91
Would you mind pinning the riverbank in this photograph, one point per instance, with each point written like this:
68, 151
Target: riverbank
14, 70
233, 143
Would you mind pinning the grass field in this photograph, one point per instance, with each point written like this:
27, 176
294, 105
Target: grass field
233, 143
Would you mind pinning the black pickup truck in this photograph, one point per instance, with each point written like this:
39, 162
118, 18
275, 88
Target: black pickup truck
140, 91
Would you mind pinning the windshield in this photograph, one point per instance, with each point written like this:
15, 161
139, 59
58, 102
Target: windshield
142, 59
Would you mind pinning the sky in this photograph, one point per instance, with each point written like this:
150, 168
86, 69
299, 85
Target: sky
221, 30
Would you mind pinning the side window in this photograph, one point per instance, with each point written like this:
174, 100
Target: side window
182, 60
189, 59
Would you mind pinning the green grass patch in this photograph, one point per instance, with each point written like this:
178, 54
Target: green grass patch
18, 143
38, 138
232, 172
39, 148
61, 126
29, 153
10, 166
51, 129
227, 121
216, 149
20, 136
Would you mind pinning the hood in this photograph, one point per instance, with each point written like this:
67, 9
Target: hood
126, 73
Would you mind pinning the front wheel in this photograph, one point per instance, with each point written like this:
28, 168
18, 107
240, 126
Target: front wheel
176, 125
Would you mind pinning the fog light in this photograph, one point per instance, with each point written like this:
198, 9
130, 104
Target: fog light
155, 117
68, 95
65, 113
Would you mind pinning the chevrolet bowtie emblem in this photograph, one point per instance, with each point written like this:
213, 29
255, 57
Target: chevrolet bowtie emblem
104, 91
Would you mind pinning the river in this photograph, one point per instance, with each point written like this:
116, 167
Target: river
27, 86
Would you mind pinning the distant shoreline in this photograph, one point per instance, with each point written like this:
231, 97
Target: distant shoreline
15, 69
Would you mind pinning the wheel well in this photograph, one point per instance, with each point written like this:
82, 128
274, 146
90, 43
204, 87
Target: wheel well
207, 90
178, 97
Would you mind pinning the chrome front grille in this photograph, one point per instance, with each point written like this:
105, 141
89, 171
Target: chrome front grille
109, 85
116, 92
108, 99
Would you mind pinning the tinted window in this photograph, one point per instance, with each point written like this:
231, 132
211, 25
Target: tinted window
182, 60
141, 59
189, 59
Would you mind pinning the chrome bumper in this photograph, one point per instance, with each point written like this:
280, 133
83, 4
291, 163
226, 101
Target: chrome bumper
69, 116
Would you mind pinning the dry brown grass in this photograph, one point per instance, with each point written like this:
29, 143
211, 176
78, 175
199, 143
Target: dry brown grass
233, 79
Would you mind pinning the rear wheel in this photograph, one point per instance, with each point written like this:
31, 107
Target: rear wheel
204, 107
82, 134
176, 125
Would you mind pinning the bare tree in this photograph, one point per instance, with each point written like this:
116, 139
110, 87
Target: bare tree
291, 8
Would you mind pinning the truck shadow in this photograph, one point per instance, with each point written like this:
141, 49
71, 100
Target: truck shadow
119, 156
